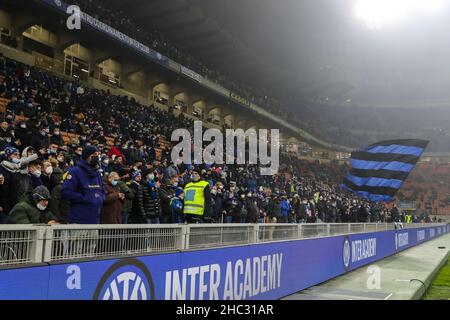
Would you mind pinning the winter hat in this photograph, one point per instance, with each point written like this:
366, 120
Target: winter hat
179, 192
9, 151
135, 174
41, 193
88, 151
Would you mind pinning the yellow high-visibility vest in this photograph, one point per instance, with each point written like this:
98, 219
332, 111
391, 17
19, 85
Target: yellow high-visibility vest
194, 199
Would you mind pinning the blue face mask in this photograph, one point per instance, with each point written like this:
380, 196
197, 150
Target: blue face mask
15, 160
114, 183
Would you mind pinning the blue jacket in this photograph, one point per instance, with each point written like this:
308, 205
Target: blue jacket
285, 208
83, 187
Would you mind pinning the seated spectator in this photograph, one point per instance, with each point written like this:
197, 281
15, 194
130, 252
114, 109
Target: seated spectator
33, 209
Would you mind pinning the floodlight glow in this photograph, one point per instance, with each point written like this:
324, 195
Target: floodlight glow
379, 13
430, 5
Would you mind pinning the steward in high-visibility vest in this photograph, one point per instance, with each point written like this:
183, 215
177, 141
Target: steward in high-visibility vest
197, 199
408, 218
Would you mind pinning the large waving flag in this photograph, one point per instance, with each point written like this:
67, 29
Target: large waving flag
380, 170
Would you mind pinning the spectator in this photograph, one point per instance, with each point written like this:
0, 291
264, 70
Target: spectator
128, 201
176, 204
152, 202
111, 212
83, 187
33, 209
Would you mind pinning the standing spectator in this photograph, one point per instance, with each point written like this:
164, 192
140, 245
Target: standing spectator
112, 206
137, 214
252, 209
285, 208
58, 206
128, 202
152, 203
9, 167
176, 205
83, 187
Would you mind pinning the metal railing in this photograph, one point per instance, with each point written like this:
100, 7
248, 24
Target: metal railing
21, 245
199, 236
68, 242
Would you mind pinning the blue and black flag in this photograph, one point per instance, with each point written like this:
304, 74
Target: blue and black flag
380, 170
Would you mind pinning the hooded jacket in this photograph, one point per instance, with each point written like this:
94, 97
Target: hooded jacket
25, 212
83, 187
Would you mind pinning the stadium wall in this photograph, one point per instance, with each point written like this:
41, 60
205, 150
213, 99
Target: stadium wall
261, 271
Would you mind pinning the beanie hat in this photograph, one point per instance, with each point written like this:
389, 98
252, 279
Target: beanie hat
41, 193
135, 174
9, 151
179, 192
88, 151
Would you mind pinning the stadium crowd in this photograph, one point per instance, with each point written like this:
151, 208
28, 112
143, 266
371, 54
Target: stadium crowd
131, 178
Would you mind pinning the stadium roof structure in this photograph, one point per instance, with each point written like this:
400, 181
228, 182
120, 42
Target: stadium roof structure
311, 50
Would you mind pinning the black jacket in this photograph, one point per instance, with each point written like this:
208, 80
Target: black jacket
152, 201
274, 208
137, 214
166, 193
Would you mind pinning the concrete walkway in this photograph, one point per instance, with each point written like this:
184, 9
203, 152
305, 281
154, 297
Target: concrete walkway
402, 277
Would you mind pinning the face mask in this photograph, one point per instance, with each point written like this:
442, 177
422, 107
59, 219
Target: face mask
15, 160
106, 162
43, 133
94, 161
53, 151
49, 170
23, 126
151, 177
60, 159
37, 173
114, 183
8, 140
41, 207
78, 152
56, 133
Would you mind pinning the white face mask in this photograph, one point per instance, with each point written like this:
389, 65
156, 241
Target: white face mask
41, 207
37, 173
60, 159
15, 160
49, 170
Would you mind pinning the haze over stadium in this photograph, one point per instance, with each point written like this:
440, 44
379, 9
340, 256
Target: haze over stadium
133, 132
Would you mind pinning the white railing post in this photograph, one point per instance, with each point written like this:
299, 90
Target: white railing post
300, 231
328, 230
255, 233
48, 241
349, 228
185, 233
36, 245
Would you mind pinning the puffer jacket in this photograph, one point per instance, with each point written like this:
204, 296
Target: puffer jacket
25, 212
152, 202
137, 214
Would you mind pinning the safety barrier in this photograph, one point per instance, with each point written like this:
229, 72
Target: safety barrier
198, 262
21, 245
69, 242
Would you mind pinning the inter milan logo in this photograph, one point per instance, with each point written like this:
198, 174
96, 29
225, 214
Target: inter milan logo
128, 279
346, 253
